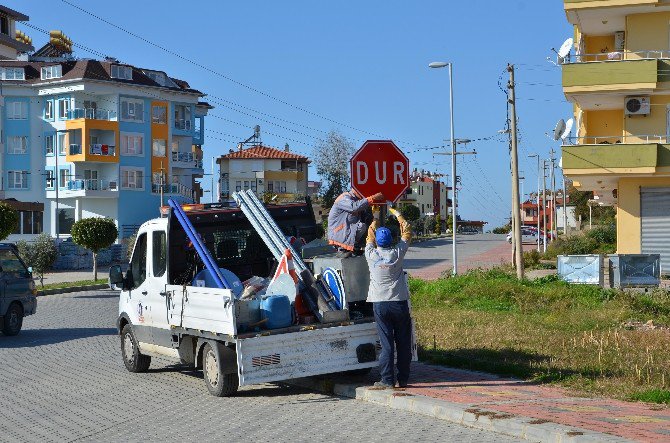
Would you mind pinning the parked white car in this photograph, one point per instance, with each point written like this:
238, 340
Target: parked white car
528, 235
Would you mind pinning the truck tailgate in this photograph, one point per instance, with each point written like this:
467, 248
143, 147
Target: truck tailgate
306, 353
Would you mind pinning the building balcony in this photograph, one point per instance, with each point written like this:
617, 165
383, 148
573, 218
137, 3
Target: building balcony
174, 189
183, 124
285, 175
628, 76
186, 160
92, 114
94, 152
617, 159
93, 188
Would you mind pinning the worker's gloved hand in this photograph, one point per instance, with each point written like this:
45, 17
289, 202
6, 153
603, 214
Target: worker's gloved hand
395, 212
371, 232
378, 197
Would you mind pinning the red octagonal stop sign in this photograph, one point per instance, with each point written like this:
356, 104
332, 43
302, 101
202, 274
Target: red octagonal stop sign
380, 166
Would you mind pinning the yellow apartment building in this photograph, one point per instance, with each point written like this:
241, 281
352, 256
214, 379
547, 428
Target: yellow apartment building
618, 79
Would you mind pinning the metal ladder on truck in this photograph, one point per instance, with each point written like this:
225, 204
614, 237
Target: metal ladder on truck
316, 294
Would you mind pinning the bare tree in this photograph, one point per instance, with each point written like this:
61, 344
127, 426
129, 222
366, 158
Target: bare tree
331, 158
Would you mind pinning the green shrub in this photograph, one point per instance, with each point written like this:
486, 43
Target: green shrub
41, 254
603, 234
9, 219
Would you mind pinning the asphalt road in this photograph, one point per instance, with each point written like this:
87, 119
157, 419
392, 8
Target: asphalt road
62, 379
473, 250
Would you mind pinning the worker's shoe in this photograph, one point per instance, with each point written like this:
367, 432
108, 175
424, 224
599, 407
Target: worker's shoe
402, 385
382, 385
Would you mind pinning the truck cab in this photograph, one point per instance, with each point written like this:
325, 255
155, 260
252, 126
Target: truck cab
163, 312
17, 290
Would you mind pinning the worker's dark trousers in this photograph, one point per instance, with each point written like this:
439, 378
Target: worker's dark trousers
394, 327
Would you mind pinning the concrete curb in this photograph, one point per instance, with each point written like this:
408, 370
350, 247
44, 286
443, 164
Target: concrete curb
72, 289
524, 428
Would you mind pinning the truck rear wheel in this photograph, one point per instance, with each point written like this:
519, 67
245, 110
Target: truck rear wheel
219, 383
13, 320
134, 361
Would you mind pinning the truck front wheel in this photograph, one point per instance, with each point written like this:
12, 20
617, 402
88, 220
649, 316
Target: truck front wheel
134, 361
219, 383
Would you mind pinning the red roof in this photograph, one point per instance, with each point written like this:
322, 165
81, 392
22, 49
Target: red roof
258, 152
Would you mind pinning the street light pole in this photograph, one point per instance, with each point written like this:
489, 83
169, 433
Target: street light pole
453, 161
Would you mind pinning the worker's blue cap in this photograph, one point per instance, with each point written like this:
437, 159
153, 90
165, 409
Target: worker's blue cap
383, 237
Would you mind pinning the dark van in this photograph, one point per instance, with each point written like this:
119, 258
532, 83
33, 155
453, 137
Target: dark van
17, 290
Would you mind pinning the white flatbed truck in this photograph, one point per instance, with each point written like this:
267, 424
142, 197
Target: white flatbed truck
161, 314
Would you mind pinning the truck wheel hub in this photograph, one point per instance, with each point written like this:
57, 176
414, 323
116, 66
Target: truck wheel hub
128, 347
212, 368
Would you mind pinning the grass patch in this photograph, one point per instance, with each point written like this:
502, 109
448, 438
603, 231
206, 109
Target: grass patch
545, 330
71, 284
652, 396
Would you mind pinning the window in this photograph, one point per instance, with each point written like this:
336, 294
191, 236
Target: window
30, 222
158, 114
49, 179
63, 177
4, 25
49, 144
159, 253
49, 110
238, 186
132, 144
282, 186
11, 265
138, 264
289, 165
17, 144
158, 77
246, 184
254, 185
17, 110
54, 71
12, 74
17, 179
65, 220
132, 110
122, 72
64, 108
158, 148
62, 143
132, 178
270, 186
182, 117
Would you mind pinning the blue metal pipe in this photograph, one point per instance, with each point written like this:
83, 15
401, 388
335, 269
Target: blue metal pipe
199, 246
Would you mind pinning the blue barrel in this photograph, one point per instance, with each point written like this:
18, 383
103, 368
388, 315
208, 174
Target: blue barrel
277, 310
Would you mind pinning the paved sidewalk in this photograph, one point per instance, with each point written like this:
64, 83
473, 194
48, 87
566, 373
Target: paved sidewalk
496, 256
513, 407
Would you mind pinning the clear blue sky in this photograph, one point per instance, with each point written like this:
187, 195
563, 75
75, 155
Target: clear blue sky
361, 64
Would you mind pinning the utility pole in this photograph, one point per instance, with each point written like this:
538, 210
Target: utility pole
538, 199
516, 207
544, 205
565, 209
552, 181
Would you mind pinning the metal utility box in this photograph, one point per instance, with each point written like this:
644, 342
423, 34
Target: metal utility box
635, 270
354, 273
581, 269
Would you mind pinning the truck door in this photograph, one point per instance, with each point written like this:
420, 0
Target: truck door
157, 296
136, 303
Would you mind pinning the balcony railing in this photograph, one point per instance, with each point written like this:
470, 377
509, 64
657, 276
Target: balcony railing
618, 56
173, 188
182, 124
619, 139
92, 185
92, 113
75, 149
197, 134
102, 150
183, 157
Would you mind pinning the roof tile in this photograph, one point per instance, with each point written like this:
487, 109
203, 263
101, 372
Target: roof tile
263, 152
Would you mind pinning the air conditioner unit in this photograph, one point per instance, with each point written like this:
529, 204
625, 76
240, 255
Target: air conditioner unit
637, 106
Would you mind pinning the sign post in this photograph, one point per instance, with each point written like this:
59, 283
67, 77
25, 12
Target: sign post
380, 166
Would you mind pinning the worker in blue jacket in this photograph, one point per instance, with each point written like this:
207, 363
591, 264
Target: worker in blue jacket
389, 296
346, 222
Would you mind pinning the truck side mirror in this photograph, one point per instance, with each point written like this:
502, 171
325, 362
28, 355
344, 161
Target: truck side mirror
115, 276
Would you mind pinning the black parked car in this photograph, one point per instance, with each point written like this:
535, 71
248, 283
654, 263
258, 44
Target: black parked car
17, 290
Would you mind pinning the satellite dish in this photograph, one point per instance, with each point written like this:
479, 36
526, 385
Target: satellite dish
559, 129
568, 128
566, 47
